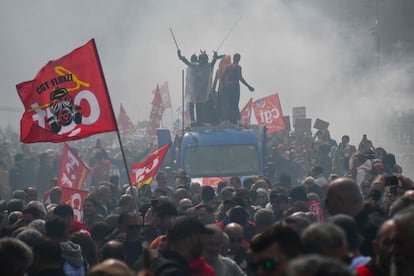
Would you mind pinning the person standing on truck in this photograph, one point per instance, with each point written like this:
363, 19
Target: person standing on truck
199, 85
218, 83
232, 77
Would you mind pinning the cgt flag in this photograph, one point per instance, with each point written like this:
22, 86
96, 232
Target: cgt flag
73, 172
75, 198
268, 112
67, 100
246, 113
125, 125
156, 113
165, 95
143, 173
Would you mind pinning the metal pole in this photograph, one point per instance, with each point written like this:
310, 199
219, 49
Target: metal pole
175, 41
231, 30
117, 131
182, 102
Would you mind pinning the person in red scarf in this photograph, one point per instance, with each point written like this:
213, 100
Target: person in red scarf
185, 242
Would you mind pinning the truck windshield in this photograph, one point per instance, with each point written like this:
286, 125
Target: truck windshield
222, 160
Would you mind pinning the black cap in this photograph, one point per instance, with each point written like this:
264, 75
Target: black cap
184, 227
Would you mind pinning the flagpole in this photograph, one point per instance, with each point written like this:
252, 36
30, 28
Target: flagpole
117, 128
182, 102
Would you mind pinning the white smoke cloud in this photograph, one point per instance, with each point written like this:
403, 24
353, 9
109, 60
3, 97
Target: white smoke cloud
293, 48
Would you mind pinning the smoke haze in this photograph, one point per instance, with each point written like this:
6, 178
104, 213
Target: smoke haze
321, 54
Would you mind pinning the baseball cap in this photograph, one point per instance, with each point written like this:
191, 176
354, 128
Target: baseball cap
184, 227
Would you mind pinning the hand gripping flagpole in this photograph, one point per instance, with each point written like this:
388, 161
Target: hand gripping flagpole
117, 133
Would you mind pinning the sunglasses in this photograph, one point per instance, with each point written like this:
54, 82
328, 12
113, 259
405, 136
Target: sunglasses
268, 265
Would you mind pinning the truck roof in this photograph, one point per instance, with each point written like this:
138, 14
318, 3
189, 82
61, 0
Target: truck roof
219, 136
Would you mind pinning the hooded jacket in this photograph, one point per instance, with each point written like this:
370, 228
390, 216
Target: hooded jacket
72, 255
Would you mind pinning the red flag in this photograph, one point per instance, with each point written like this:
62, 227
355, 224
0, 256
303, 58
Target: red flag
165, 96
73, 172
246, 113
269, 112
67, 100
143, 173
125, 124
156, 112
74, 198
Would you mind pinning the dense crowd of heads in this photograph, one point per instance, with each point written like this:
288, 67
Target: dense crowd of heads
323, 208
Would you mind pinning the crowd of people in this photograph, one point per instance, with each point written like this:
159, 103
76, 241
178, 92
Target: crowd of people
323, 208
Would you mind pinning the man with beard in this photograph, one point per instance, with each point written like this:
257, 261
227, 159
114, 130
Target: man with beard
185, 241
402, 240
273, 249
90, 212
128, 233
380, 265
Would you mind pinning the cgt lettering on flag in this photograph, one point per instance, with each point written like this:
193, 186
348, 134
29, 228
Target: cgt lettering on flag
267, 116
268, 112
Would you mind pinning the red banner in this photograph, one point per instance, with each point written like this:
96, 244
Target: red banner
75, 198
73, 172
156, 113
246, 113
165, 96
143, 173
125, 125
269, 112
67, 100
315, 207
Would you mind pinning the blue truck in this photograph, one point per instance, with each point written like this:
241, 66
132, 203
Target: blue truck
206, 152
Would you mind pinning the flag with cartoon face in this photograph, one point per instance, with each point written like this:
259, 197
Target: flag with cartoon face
67, 100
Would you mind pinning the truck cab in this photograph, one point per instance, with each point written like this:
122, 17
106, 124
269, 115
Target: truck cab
217, 151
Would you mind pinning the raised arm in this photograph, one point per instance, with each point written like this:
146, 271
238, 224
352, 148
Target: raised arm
215, 58
182, 58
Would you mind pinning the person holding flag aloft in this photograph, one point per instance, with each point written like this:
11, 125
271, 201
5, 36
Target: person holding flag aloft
199, 84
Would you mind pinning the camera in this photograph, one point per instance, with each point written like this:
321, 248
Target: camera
391, 181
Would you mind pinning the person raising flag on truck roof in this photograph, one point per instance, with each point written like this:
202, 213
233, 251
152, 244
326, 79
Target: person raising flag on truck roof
199, 84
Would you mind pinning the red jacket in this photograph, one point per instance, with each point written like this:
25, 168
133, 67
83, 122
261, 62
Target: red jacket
199, 267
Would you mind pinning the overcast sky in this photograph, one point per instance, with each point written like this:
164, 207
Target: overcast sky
313, 55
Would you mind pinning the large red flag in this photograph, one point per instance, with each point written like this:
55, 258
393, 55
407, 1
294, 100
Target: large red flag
75, 198
246, 113
143, 173
73, 172
67, 100
269, 112
125, 124
156, 112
